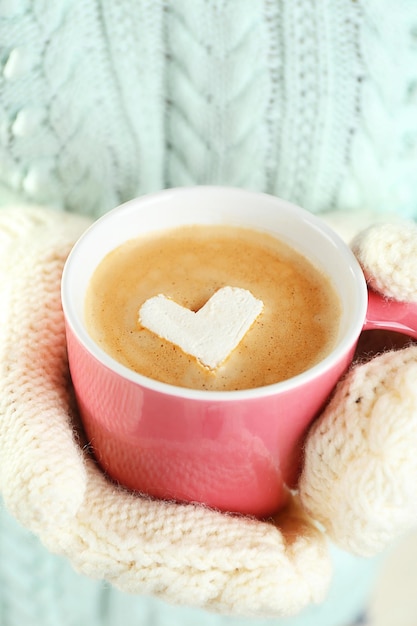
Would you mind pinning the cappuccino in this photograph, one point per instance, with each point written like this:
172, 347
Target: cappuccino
297, 328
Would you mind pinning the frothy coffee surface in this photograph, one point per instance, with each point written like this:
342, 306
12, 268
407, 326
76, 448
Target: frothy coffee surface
296, 329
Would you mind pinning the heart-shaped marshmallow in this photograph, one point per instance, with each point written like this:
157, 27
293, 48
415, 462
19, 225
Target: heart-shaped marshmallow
211, 333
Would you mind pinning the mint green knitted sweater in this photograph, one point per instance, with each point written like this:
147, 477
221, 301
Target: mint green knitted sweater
100, 101
311, 100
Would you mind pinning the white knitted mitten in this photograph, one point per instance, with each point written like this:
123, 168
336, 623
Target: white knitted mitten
360, 470
186, 554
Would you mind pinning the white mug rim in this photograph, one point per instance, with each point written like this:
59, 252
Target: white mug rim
278, 388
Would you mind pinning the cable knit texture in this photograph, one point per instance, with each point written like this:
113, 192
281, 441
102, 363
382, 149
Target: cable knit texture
312, 101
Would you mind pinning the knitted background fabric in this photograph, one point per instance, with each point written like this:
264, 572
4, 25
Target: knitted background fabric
314, 101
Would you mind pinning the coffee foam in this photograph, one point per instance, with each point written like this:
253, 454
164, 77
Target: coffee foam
297, 328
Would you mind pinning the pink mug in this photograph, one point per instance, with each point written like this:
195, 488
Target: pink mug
236, 451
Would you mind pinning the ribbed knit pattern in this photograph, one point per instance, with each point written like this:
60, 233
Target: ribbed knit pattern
383, 158
312, 101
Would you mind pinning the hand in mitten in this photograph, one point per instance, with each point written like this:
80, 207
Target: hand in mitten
186, 554
360, 471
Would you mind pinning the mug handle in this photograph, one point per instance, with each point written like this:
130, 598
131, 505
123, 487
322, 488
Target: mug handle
387, 314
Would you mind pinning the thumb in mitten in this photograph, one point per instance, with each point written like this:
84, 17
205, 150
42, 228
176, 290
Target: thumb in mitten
360, 473
35, 417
